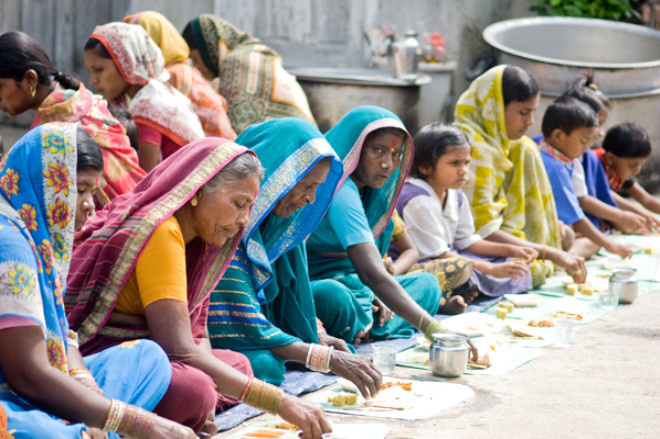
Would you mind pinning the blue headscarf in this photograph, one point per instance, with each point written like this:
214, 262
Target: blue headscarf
347, 139
37, 209
288, 149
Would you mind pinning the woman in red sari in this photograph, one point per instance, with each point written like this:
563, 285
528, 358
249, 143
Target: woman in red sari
146, 265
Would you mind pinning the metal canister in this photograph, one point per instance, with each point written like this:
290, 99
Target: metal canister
624, 284
404, 52
448, 354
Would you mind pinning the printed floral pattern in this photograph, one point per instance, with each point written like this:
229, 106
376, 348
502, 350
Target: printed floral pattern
57, 176
60, 249
29, 216
9, 183
56, 141
46, 252
56, 354
59, 213
20, 279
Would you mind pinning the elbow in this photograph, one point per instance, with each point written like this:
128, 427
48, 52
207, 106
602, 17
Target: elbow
182, 352
29, 383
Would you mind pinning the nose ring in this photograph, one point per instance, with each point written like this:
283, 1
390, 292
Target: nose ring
85, 204
383, 165
307, 198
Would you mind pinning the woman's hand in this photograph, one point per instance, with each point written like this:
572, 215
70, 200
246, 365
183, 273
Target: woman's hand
382, 311
389, 265
526, 253
94, 433
473, 350
329, 340
510, 269
306, 415
358, 370
165, 429
630, 222
619, 249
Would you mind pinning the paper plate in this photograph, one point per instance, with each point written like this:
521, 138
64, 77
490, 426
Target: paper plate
522, 300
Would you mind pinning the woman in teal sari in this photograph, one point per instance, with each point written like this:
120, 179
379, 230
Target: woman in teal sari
353, 291
263, 306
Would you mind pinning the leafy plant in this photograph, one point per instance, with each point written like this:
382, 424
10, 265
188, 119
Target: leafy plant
604, 9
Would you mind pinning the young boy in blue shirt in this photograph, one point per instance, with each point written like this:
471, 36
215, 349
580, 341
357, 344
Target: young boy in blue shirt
568, 128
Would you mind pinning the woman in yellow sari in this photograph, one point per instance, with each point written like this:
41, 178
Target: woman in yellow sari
508, 187
211, 108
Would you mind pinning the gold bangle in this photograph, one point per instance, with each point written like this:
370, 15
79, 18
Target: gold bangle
264, 396
434, 326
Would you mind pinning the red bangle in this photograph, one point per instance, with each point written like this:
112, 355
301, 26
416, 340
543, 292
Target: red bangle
247, 387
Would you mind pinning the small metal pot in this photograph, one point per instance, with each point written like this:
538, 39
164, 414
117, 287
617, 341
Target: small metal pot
448, 354
624, 284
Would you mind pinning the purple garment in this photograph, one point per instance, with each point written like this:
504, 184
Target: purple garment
496, 286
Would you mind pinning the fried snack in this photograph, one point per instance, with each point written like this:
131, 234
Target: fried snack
501, 313
286, 426
508, 306
571, 289
541, 324
483, 362
343, 399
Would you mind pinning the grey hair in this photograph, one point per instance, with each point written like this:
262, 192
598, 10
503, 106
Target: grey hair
241, 167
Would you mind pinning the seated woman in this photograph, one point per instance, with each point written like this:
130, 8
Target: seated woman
353, 291
146, 265
439, 219
210, 107
58, 97
219, 49
46, 388
128, 69
263, 306
508, 187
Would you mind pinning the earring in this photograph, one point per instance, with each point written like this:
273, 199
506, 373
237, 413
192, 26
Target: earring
33, 91
193, 202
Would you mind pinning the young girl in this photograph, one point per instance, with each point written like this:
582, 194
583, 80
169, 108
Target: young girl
128, 69
438, 216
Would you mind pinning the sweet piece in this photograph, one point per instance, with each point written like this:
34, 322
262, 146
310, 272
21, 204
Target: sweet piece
501, 313
571, 289
587, 290
648, 250
508, 306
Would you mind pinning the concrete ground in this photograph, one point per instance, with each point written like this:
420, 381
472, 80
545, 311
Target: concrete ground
606, 386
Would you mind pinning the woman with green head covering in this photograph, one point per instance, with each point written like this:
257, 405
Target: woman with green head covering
263, 306
352, 289
251, 76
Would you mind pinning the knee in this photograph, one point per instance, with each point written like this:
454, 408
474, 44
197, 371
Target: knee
330, 293
567, 236
235, 360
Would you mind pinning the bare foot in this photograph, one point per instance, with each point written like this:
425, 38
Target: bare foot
455, 305
470, 294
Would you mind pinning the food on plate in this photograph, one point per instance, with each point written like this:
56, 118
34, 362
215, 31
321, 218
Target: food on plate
405, 385
522, 300
571, 289
501, 313
347, 385
568, 315
343, 399
648, 250
507, 305
541, 324
483, 362
264, 433
587, 290
286, 426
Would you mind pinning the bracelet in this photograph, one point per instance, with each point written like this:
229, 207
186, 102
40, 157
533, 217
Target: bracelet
434, 326
264, 396
327, 364
245, 391
318, 358
421, 320
85, 377
128, 420
309, 355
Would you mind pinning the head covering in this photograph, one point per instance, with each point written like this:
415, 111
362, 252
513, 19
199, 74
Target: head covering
347, 139
216, 38
108, 247
163, 33
140, 62
288, 149
252, 79
37, 209
121, 169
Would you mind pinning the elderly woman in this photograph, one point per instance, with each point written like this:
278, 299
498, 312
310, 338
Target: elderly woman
146, 265
128, 69
57, 97
264, 306
508, 187
353, 290
46, 387
251, 76
207, 103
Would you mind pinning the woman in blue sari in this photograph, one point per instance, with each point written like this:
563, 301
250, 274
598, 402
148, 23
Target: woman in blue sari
352, 289
263, 306
43, 378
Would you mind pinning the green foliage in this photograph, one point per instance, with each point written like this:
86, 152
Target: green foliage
604, 9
